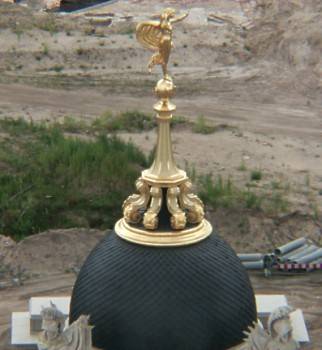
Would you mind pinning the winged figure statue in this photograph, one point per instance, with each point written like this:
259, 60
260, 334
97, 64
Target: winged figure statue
157, 36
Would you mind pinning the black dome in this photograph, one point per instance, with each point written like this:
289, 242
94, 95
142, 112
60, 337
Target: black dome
196, 297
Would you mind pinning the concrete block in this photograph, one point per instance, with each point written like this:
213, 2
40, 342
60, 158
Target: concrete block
20, 331
268, 303
300, 332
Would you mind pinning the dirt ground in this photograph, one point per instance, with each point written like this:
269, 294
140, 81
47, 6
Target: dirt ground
259, 77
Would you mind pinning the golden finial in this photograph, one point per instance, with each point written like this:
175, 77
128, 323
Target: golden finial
164, 189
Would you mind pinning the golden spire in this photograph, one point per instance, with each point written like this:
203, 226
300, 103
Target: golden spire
164, 189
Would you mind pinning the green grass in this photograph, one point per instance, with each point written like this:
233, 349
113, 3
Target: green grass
276, 203
50, 181
179, 120
202, 127
48, 24
276, 185
130, 121
73, 125
45, 49
191, 171
242, 166
221, 193
316, 211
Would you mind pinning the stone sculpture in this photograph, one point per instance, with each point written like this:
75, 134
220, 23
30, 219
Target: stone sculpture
78, 336
277, 337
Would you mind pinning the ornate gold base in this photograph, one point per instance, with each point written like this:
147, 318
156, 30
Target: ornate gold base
163, 238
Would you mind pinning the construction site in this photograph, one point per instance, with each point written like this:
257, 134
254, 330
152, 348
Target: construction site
248, 75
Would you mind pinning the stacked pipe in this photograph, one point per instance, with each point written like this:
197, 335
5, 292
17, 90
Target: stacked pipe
300, 254
252, 261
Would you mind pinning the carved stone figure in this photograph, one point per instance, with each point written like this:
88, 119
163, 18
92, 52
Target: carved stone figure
278, 337
53, 324
78, 336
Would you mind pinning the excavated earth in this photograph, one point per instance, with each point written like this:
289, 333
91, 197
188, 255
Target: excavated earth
258, 78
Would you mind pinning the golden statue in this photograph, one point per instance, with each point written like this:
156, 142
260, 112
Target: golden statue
164, 212
157, 36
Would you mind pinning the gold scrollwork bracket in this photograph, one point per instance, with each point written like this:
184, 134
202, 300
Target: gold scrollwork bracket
178, 217
135, 204
151, 220
191, 203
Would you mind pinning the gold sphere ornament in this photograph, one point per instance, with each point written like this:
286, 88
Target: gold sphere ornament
165, 89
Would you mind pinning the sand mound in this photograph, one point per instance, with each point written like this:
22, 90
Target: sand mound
53, 251
289, 32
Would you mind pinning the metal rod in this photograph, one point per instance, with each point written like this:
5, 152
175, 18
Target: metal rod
290, 246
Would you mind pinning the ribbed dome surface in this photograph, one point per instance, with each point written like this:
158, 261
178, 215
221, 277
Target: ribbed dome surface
196, 297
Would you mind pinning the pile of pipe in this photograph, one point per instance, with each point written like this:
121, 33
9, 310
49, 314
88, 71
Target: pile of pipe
252, 261
299, 251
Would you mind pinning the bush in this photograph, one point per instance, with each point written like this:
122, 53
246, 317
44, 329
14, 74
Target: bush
50, 181
57, 68
256, 175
